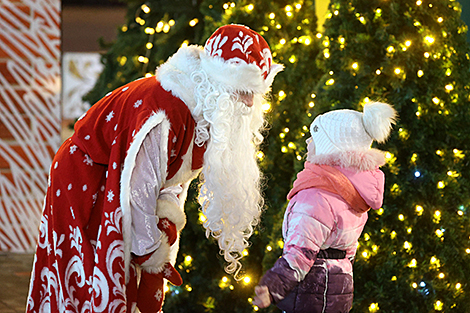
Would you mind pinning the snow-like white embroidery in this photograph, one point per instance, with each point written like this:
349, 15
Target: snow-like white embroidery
115, 127
57, 242
56, 164
165, 224
73, 149
114, 142
108, 94
125, 88
167, 271
138, 103
57, 193
242, 43
102, 188
69, 187
76, 239
87, 160
87, 137
158, 295
85, 187
114, 165
71, 211
214, 46
133, 133
174, 139
110, 196
173, 153
109, 116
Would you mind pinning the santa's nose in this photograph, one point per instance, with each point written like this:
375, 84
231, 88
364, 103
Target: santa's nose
247, 99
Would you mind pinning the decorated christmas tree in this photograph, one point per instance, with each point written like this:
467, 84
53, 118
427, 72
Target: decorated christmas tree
414, 255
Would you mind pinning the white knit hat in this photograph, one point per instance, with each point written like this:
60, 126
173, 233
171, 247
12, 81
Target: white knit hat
348, 130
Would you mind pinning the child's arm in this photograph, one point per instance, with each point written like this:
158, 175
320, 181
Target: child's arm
306, 229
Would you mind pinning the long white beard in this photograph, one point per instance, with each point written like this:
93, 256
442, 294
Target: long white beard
230, 194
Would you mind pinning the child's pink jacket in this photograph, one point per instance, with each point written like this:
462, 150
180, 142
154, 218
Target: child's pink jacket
317, 219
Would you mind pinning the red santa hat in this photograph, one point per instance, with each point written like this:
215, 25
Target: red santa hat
239, 57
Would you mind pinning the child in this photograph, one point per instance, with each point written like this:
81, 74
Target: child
327, 212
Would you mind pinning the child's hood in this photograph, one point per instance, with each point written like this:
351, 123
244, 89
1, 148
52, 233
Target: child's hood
369, 184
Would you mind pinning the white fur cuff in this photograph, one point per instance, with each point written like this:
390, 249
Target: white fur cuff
171, 210
159, 258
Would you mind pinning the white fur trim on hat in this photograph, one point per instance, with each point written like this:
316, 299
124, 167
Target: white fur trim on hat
175, 74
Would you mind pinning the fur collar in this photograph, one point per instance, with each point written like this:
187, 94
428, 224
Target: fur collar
358, 161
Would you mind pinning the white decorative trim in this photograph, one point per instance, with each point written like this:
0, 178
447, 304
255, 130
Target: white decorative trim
129, 164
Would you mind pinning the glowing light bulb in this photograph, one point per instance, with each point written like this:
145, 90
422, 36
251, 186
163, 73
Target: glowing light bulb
401, 217
407, 245
246, 280
417, 174
441, 185
193, 22
149, 30
412, 263
250, 7
438, 305
355, 65
420, 73
269, 248
449, 87
397, 70
429, 40
419, 210
373, 307
272, 15
145, 8
378, 72
330, 82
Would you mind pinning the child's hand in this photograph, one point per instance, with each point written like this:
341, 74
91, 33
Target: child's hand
262, 299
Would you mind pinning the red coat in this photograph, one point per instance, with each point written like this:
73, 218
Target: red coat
83, 254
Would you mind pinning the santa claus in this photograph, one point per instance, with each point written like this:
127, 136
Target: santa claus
114, 205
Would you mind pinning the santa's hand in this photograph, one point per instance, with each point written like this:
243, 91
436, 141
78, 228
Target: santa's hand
169, 228
262, 298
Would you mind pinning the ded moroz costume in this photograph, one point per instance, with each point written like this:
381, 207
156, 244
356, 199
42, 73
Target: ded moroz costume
114, 205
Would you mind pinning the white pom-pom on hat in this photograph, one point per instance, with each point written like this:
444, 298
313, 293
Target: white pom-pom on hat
378, 118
